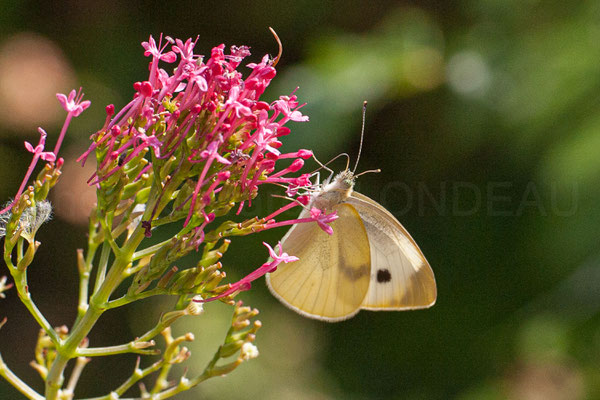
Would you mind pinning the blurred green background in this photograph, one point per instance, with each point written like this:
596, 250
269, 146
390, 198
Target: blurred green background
484, 116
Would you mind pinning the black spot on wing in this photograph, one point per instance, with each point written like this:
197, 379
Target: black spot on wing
383, 275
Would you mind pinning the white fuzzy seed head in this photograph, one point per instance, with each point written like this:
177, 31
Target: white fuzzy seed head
33, 217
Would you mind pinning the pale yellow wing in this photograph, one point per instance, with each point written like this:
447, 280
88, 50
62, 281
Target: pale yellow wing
331, 279
401, 277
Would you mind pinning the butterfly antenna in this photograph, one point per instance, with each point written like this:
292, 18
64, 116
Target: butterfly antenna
324, 166
362, 135
276, 60
368, 172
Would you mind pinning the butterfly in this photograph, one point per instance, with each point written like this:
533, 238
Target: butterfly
370, 262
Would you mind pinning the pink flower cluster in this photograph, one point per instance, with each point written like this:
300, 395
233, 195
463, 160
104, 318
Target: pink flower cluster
207, 119
211, 109
203, 131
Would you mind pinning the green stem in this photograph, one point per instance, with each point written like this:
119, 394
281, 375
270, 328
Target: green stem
84, 277
75, 375
210, 371
149, 250
68, 349
23, 292
183, 385
135, 346
20, 248
101, 272
136, 376
14, 380
55, 378
126, 299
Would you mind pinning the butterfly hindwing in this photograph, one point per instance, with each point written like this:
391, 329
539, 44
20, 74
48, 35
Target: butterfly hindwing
331, 279
401, 277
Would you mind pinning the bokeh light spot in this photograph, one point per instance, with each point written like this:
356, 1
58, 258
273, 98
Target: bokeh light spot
468, 73
32, 70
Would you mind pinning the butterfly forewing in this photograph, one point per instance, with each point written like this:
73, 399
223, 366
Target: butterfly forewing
331, 280
401, 277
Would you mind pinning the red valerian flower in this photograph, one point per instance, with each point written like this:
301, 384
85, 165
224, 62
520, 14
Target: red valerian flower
246, 282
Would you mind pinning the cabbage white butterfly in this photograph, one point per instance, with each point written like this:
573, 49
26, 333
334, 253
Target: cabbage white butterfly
370, 262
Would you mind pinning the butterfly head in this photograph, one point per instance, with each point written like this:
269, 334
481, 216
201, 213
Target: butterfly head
335, 192
345, 179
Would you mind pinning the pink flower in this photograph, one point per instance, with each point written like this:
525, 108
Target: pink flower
38, 151
323, 219
154, 51
279, 258
185, 50
240, 109
74, 107
195, 143
246, 282
212, 151
288, 106
71, 104
144, 88
316, 215
302, 153
197, 77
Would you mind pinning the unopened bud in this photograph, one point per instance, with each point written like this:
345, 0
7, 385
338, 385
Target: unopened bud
146, 89
296, 165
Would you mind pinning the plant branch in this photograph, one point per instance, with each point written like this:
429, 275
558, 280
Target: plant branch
75, 375
136, 376
97, 305
126, 299
20, 278
149, 250
135, 346
103, 264
14, 380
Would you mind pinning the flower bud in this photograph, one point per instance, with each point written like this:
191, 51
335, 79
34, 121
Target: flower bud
303, 153
303, 199
296, 165
115, 131
261, 105
146, 89
223, 175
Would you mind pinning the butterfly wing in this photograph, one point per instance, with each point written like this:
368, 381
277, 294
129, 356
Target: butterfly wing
401, 277
332, 276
